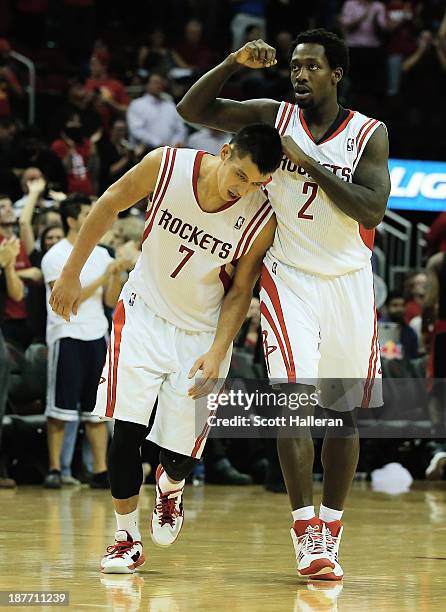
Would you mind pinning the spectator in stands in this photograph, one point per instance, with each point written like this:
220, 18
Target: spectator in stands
414, 291
15, 324
402, 22
81, 102
434, 326
436, 237
116, 154
406, 346
156, 56
36, 299
192, 52
34, 187
11, 288
364, 22
425, 65
247, 13
31, 151
111, 99
10, 87
77, 348
153, 119
78, 154
9, 182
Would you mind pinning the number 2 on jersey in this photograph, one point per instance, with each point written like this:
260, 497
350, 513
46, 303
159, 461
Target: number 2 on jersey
183, 262
306, 186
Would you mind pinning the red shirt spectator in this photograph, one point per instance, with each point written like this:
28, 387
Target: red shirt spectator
77, 168
112, 98
17, 310
193, 52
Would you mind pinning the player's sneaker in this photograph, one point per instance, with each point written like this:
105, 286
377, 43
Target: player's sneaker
333, 534
124, 556
167, 516
311, 550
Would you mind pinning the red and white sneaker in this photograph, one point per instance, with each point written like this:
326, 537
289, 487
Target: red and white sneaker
167, 516
311, 550
124, 556
333, 534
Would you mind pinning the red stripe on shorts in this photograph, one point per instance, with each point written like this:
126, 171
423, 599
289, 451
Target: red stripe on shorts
369, 382
268, 284
118, 324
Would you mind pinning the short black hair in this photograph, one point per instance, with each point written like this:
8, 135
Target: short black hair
262, 143
396, 294
71, 207
336, 48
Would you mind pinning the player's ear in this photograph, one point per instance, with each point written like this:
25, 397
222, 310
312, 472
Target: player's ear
225, 151
337, 73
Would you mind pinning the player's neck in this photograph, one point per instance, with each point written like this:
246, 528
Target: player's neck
207, 185
324, 115
71, 236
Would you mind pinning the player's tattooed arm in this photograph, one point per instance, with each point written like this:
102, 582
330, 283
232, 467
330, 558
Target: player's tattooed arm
233, 311
365, 199
136, 184
202, 105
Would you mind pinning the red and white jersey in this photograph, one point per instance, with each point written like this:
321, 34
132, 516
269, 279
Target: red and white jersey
313, 234
188, 255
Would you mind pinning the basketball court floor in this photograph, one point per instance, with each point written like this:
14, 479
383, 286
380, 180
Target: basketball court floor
234, 552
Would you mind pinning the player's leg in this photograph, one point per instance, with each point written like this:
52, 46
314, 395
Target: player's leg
64, 381
137, 361
180, 429
290, 332
350, 376
126, 477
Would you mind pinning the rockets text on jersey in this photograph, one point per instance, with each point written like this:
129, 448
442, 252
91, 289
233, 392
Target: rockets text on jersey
313, 234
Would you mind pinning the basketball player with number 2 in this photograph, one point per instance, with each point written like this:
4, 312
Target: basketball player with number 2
317, 300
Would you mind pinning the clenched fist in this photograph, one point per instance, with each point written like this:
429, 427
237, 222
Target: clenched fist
256, 54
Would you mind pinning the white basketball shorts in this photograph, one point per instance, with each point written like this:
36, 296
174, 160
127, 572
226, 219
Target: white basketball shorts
321, 331
149, 358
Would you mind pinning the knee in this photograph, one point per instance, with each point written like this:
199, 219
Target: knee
177, 466
127, 436
345, 424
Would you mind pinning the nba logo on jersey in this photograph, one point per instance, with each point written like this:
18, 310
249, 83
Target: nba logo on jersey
274, 268
132, 299
239, 223
350, 144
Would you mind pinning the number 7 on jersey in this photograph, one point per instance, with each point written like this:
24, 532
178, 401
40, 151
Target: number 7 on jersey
183, 262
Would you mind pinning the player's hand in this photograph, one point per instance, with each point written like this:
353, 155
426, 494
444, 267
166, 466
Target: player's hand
65, 296
209, 364
293, 151
256, 54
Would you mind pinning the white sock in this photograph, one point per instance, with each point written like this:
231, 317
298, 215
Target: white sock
129, 522
303, 514
166, 485
328, 514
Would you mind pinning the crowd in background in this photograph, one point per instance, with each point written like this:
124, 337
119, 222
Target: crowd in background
108, 76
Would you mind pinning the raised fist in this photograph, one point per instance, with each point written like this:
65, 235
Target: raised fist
256, 54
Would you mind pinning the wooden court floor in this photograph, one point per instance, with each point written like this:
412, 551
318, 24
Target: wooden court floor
234, 553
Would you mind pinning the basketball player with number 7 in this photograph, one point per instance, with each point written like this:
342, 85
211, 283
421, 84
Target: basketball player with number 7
317, 299
208, 227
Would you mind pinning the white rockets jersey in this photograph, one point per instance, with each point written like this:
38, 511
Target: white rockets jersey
312, 233
188, 256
